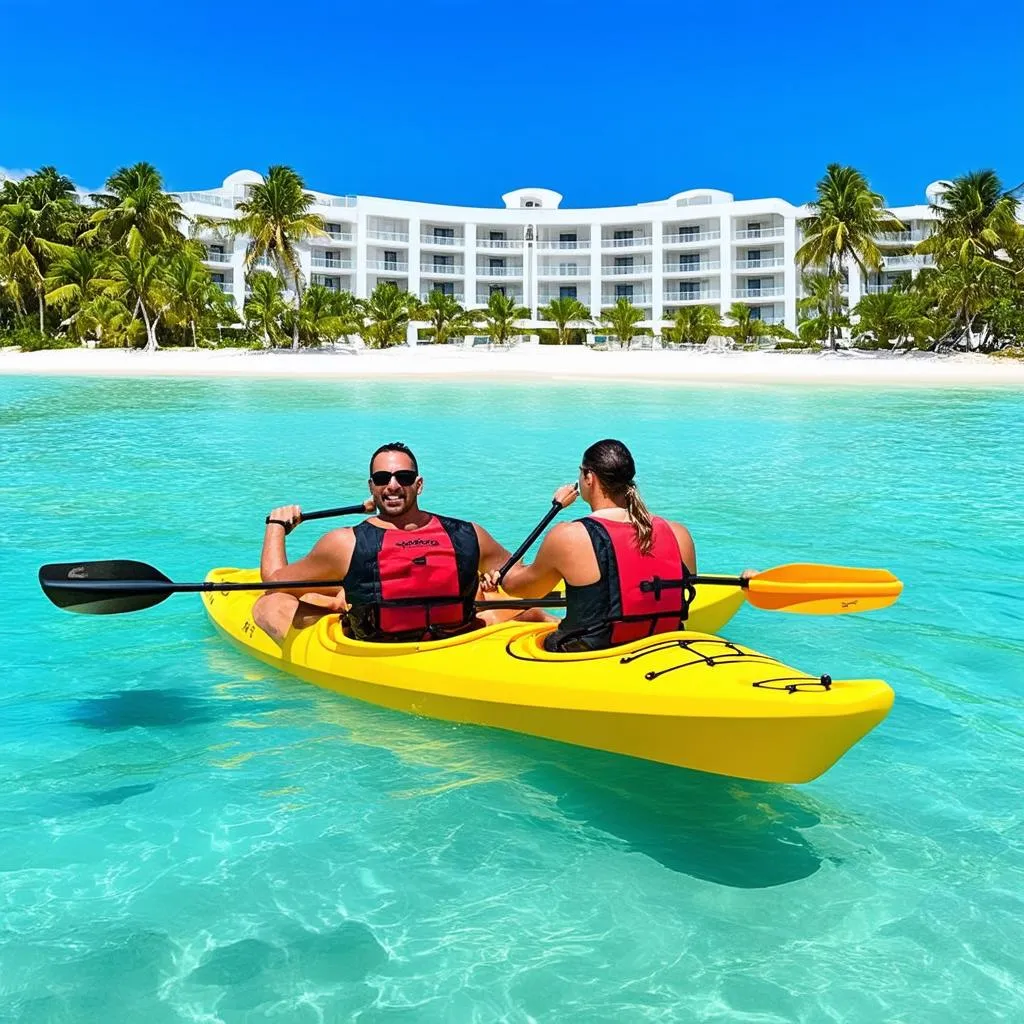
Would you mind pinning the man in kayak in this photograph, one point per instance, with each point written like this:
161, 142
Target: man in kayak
625, 570
408, 574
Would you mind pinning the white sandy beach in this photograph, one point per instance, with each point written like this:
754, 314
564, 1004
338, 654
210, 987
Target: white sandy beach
532, 362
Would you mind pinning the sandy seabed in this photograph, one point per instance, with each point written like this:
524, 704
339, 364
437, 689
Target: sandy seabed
533, 362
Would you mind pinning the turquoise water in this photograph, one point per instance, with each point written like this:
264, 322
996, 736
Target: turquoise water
188, 836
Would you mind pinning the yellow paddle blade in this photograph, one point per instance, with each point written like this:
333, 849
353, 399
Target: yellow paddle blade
809, 589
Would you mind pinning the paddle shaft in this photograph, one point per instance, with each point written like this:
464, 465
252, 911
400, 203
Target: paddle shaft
328, 513
556, 507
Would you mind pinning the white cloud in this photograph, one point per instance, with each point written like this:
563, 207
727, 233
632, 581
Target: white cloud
14, 173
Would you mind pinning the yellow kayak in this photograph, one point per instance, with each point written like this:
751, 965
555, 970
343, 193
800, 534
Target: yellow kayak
688, 698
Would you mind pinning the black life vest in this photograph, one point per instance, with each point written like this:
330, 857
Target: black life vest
637, 595
412, 584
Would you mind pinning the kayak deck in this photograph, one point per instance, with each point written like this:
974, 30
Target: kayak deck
686, 698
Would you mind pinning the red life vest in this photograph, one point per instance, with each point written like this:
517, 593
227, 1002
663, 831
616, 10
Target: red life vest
404, 583
637, 595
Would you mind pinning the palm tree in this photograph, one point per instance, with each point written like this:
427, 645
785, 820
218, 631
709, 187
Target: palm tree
847, 218
446, 317
191, 292
139, 280
74, 280
135, 212
26, 248
890, 318
621, 320
387, 313
265, 307
976, 218
110, 320
325, 315
693, 325
501, 316
563, 312
275, 216
822, 310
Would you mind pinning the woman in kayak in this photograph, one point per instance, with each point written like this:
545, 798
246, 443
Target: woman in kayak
625, 570
408, 574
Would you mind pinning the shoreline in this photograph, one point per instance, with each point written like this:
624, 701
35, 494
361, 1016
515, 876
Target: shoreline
531, 363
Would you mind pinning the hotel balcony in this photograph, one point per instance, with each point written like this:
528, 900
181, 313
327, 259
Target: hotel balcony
693, 238
226, 287
902, 237
909, 260
484, 296
339, 236
499, 243
879, 289
425, 294
638, 270
439, 269
639, 297
565, 270
637, 242
545, 296
388, 236
335, 201
771, 231
513, 271
769, 292
331, 264
554, 243
691, 268
388, 266
691, 295
218, 257
332, 284
760, 264
205, 198
429, 239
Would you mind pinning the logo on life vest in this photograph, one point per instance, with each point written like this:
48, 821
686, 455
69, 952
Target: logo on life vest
417, 544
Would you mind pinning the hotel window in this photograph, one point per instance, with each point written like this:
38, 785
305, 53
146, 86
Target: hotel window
444, 287
333, 229
754, 286
689, 290
390, 259
754, 227
331, 258
216, 250
217, 278
567, 239
623, 236
497, 289
756, 313
497, 264
689, 231
568, 269
624, 291
567, 291
689, 261
624, 262
497, 236
441, 233
753, 255
440, 262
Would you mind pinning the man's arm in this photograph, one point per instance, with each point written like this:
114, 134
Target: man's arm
492, 555
328, 559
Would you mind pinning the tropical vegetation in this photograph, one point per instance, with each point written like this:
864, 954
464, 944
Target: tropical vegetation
126, 267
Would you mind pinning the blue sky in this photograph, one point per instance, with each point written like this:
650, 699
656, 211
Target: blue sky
459, 101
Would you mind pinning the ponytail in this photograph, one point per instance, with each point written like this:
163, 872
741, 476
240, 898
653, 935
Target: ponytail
640, 517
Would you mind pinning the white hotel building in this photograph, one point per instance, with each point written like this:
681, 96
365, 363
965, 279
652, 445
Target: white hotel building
697, 247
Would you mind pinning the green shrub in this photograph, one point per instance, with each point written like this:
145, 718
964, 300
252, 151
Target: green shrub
30, 339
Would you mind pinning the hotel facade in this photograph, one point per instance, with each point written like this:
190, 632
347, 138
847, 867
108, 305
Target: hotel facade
699, 247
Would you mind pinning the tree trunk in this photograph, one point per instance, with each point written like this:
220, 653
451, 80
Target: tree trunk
192, 324
42, 312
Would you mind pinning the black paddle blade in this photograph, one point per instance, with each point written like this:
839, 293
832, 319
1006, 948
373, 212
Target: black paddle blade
104, 588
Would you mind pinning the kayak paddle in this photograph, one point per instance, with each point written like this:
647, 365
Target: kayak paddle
112, 587
343, 510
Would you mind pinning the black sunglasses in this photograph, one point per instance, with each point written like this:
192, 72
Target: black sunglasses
405, 477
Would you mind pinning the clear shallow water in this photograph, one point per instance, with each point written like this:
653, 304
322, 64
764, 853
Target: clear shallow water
186, 835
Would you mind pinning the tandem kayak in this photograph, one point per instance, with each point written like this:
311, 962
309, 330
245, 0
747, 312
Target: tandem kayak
689, 698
